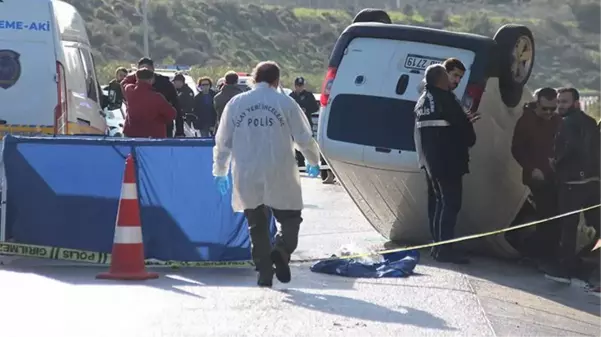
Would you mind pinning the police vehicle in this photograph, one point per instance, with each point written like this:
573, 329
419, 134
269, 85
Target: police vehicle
115, 118
44, 45
366, 124
245, 81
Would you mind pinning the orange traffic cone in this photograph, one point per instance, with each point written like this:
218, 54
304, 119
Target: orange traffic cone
127, 260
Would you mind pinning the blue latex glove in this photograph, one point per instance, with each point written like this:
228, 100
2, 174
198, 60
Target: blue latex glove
312, 171
223, 184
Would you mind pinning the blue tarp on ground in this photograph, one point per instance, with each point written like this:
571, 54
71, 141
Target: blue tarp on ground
399, 264
64, 192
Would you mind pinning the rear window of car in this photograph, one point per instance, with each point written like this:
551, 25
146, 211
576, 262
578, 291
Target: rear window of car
243, 87
372, 121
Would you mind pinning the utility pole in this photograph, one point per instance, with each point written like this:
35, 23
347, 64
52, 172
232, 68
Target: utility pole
145, 15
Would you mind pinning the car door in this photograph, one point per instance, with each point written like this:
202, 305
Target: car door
94, 118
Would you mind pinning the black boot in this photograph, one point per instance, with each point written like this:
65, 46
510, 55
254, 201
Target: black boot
558, 273
282, 269
265, 277
446, 254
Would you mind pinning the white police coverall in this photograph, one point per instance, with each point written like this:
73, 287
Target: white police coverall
257, 133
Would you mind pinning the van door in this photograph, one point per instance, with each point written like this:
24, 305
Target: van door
84, 111
94, 95
28, 68
372, 100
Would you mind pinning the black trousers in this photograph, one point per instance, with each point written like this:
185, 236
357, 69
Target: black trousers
169, 128
573, 197
548, 234
444, 204
286, 240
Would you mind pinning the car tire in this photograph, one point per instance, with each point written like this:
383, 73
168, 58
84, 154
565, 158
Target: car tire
514, 41
372, 15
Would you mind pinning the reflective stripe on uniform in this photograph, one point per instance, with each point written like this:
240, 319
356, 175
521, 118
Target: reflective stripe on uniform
432, 123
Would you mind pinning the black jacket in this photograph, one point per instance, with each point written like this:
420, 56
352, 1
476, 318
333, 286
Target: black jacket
223, 97
115, 95
443, 134
185, 96
306, 100
576, 150
204, 109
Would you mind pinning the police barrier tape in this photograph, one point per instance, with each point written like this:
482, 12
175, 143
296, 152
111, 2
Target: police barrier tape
76, 255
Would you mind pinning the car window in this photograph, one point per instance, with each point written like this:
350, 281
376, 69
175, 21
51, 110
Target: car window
90, 75
75, 73
243, 87
372, 121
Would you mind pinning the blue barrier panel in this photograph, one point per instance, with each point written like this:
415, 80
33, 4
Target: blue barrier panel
64, 192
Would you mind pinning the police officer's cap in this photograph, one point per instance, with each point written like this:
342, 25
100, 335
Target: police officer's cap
299, 81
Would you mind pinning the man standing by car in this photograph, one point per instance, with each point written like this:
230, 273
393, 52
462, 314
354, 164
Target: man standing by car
456, 70
532, 146
147, 110
444, 133
162, 85
229, 90
185, 95
576, 162
258, 130
306, 100
115, 91
206, 117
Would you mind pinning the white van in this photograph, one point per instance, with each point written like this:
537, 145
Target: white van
47, 79
366, 124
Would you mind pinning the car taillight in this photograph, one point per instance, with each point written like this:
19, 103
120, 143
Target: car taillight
471, 98
60, 111
327, 86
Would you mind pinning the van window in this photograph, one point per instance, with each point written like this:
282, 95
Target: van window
76, 76
372, 121
88, 64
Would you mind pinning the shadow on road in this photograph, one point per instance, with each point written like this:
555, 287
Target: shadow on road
359, 309
181, 281
524, 278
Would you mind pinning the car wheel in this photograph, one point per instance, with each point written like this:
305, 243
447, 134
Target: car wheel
372, 15
516, 49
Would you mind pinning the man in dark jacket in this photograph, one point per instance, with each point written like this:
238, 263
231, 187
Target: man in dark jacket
185, 95
206, 116
162, 85
532, 146
576, 163
306, 100
229, 90
115, 91
443, 135
147, 110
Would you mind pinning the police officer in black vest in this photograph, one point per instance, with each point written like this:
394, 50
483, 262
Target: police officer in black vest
443, 135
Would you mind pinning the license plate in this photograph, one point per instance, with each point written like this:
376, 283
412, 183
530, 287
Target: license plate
419, 62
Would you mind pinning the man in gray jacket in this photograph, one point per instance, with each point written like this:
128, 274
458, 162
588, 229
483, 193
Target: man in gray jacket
229, 90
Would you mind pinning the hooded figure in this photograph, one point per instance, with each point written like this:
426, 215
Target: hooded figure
257, 134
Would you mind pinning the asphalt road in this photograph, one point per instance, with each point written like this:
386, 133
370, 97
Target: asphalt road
486, 298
